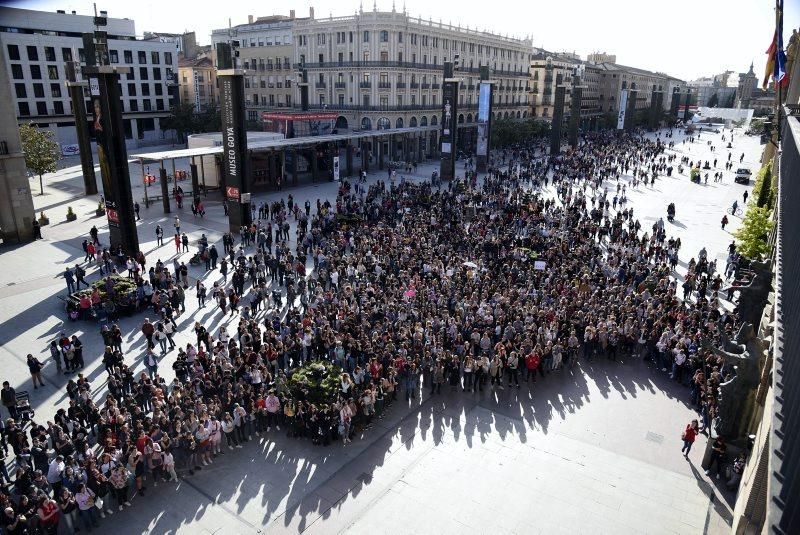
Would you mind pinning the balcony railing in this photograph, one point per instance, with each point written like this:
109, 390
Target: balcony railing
365, 85
269, 66
411, 107
384, 85
435, 86
401, 85
471, 87
320, 85
339, 85
403, 65
548, 78
426, 86
414, 85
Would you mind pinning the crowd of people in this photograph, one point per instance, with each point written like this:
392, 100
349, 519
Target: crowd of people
465, 287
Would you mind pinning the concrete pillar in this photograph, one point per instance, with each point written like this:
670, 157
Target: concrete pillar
366, 147
349, 159
293, 167
134, 130
314, 170
380, 153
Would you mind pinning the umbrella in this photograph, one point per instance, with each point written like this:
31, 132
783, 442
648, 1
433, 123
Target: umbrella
472, 265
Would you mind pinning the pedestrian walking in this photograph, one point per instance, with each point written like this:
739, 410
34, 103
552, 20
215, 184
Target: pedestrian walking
177, 225
37, 229
688, 436
35, 368
159, 235
136, 210
724, 221
8, 396
69, 276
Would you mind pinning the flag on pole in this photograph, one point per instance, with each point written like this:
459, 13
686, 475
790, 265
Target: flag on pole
776, 56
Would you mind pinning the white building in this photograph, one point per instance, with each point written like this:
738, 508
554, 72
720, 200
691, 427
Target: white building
38, 45
381, 70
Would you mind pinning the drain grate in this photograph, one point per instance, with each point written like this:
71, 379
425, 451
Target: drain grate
654, 437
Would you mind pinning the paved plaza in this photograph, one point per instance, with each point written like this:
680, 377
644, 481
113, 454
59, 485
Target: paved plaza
591, 450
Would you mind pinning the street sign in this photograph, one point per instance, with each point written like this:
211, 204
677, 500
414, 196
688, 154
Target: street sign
232, 192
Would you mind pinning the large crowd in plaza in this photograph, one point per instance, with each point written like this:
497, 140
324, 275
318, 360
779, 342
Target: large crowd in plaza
465, 286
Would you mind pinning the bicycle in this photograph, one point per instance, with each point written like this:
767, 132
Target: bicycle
737, 211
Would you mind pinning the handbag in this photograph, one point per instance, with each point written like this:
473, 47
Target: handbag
98, 502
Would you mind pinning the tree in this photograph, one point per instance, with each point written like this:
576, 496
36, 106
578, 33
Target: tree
181, 119
41, 152
713, 101
753, 236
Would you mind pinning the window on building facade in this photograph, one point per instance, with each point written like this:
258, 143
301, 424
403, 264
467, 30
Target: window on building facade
20, 90
131, 90
156, 73
24, 110
113, 56
41, 108
384, 56
55, 90
159, 104
58, 107
143, 73
366, 36
399, 100
16, 71
365, 100
13, 52
399, 37
384, 36
154, 57
36, 72
66, 54
142, 57
133, 105
400, 56
52, 72
146, 90
148, 105
159, 89
33, 53
168, 58
49, 53
128, 56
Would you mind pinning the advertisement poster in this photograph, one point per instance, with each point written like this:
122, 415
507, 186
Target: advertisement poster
623, 107
484, 116
336, 169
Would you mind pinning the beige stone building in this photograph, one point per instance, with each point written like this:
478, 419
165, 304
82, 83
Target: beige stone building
198, 82
266, 49
384, 70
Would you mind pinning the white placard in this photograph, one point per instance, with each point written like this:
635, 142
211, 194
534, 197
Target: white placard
539, 265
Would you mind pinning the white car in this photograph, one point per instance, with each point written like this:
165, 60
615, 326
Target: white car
742, 176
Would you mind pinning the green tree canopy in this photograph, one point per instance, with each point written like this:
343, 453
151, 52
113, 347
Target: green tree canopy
507, 132
41, 151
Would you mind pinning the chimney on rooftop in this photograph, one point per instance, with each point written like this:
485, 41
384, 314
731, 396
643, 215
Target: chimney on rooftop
311, 13
249, 19
61, 12
103, 13
73, 13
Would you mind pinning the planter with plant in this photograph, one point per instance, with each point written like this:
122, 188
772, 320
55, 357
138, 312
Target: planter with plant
101, 210
71, 216
43, 219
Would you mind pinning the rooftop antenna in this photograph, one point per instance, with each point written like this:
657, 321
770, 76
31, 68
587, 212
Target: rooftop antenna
375, 6
393, 9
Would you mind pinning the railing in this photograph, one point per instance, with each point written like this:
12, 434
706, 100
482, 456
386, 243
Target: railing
426, 86
783, 495
287, 66
471, 87
365, 85
411, 107
548, 78
340, 85
402, 64
414, 85
269, 66
320, 85
401, 85
435, 86
278, 66
384, 85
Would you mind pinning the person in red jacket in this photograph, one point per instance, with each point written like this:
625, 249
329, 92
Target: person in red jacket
688, 437
532, 364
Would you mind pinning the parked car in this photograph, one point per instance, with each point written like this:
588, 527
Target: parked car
742, 176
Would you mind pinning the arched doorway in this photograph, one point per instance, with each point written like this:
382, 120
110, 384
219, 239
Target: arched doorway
412, 122
519, 115
524, 114
434, 120
423, 121
469, 117
366, 124
384, 123
399, 123
460, 118
505, 116
341, 123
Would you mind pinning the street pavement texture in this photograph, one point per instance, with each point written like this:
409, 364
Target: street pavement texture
591, 450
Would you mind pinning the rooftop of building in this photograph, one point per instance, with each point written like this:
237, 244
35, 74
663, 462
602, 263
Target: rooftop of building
60, 22
202, 62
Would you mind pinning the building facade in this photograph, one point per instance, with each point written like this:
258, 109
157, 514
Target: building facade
38, 46
265, 51
383, 70
197, 78
613, 78
545, 71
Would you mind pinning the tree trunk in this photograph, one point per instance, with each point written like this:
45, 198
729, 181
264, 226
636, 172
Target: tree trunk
41, 186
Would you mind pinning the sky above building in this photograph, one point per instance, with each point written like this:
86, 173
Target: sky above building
684, 38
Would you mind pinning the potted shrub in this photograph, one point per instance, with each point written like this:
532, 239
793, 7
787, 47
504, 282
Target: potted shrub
100, 210
43, 220
70, 214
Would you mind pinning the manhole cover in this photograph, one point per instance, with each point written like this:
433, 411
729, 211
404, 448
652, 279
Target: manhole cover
654, 437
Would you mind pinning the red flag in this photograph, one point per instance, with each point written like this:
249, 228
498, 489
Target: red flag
770, 60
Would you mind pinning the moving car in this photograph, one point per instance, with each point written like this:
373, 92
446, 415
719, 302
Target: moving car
742, 176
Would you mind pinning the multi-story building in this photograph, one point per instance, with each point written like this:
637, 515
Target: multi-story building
601, 57
197, 78
39, 44
381, 70
265, 53
613, 78
714, 91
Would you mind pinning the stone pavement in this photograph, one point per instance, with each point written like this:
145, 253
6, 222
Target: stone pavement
626, 440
